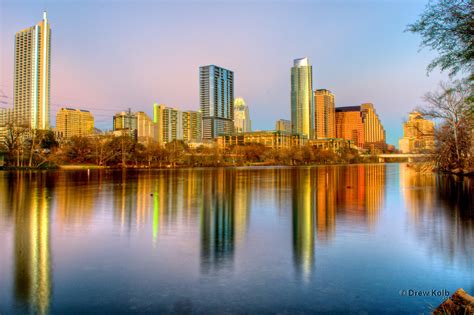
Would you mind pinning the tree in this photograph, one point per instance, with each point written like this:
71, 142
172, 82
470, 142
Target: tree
78, 149
453, 106
447, 26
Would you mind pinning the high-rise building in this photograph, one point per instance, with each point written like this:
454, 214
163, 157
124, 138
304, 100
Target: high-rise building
32, 75
418, 134
302, 102
74, 122
349, 124
6, 116
283, 125
362, 125
192, 126
216, 98
325, 117
173, 124
169, 121
126, 123
146, 128
374, 132
242, 122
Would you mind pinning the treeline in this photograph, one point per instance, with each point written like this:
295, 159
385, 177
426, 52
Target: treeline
39, 149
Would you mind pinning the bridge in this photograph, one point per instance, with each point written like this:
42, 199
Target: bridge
410, 157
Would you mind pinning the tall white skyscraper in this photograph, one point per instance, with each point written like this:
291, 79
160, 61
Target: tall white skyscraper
32, 75
302, 102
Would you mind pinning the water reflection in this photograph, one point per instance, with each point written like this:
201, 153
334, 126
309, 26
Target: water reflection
303, 221
217, 214
441, 211
29, 197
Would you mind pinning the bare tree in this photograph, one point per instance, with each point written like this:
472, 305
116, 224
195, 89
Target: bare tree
454, 108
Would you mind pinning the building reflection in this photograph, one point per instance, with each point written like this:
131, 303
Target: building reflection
361, 192
321, 194
217, 219
303, 221
29, 197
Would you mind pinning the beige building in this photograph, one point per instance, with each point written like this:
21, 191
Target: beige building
332, 144
271, 139
192, 126
146, 128
74, 122
418, 134
325, 117
6, 116
283, 125
32, 76
173, 124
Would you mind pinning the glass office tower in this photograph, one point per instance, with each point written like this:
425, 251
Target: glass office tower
216, 97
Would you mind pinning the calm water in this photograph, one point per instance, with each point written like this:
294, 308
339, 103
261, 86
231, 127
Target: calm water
245, 240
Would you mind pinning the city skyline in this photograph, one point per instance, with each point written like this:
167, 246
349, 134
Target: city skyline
270, 98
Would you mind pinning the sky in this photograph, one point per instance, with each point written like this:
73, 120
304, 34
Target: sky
108, 56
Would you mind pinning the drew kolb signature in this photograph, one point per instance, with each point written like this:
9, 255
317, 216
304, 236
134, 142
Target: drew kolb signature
432, 292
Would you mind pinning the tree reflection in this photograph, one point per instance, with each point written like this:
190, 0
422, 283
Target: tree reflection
441, 212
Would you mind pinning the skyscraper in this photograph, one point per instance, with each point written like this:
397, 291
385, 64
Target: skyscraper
362, 125
74, 122
302, 103
216, 98
32, 75
324, 114
242, 122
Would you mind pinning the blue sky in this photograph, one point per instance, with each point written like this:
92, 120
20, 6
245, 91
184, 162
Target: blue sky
108, 56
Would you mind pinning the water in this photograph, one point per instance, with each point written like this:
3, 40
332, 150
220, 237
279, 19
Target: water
234, 241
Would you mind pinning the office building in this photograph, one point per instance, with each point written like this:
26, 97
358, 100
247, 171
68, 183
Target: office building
125, 123
242, 122
173, 124
325, 117
6, 116
283, 125
146, 128
216, 98
270, 139
361, 125
74, 122
418, 134
192, 126
32, 76
302, 102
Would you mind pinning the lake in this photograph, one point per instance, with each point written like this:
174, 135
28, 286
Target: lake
359, 238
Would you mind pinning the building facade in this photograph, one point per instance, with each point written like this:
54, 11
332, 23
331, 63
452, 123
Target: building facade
173, 124
146, 128
302, 102
374, 133
418, 134
74, 122
361, 125
192, 126
6, 116
216, 98
32, 76
325, 116
283, 125
270, 139
125, 123
242, 122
